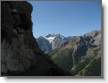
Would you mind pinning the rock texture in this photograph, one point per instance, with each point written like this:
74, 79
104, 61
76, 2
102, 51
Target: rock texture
20, 54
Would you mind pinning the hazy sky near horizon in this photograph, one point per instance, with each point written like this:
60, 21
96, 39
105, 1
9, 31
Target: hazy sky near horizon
69, 18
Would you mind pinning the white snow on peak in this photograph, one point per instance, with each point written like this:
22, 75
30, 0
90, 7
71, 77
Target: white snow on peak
50, 39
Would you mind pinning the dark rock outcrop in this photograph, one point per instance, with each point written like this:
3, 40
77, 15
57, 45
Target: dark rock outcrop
20, 54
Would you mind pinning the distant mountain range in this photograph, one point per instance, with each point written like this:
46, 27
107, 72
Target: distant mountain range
53, 41
81, 55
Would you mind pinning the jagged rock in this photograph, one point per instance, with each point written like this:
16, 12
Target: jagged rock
20, 54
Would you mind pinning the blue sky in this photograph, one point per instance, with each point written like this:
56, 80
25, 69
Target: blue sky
69, 18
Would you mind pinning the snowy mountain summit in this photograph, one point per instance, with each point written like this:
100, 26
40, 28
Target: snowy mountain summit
53, 37
51, 42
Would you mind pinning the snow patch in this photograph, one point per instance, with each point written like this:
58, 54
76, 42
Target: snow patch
50, 39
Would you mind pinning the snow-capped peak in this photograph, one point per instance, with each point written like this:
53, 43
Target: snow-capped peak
50, 39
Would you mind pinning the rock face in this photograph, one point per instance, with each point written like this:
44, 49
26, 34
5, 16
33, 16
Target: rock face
44, 44
20, 54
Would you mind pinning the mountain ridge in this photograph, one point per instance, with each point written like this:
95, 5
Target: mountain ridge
81, 55
60, 40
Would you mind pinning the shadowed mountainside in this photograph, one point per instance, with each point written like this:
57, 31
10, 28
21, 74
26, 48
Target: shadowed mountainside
81, 55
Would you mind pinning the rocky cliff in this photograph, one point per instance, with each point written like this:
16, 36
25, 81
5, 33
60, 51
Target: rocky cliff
20, 54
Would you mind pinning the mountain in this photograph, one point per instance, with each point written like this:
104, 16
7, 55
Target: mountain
44, 44
56, 40
81, 55
50, 42
20, 53
53, 41
67, 56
